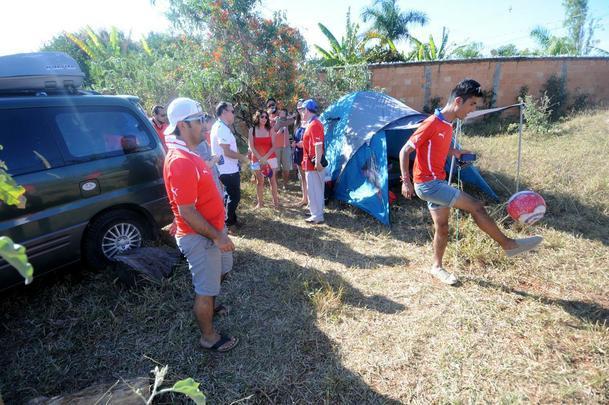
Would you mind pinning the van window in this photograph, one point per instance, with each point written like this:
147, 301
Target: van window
90, 133
26, 136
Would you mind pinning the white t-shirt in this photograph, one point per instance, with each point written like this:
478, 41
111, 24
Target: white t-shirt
221, 134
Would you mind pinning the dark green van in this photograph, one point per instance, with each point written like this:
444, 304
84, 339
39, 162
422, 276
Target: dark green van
92, 167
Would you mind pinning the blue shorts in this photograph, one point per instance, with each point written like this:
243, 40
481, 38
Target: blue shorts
437, 193
206, 262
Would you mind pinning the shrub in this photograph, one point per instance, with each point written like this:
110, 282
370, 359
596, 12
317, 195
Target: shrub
537, 114
555, 90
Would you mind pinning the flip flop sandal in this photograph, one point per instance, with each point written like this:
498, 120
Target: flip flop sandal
217, 347
221, 310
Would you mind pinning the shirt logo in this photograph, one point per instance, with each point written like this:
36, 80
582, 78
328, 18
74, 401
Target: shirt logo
441, 135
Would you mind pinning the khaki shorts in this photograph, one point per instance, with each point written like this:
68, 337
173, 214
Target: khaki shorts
284, 157
206, 263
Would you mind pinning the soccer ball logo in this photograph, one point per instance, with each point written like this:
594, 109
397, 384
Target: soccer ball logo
526, 207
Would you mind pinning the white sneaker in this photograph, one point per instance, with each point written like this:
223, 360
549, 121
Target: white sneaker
524, 245
443, 276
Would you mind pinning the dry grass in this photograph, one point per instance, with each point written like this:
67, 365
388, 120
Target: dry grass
344, 313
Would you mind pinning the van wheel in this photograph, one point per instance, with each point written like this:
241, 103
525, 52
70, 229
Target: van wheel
113, 233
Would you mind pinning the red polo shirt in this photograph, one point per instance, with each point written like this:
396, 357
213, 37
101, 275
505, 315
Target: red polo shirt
314, 135
160, 131
432, 142
188, 180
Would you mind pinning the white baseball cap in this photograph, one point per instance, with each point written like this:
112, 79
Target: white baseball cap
182, 109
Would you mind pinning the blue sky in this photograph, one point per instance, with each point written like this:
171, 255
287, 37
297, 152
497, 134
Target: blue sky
27, 24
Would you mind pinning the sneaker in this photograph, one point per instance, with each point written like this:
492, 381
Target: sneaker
443, 276
524, 245
314, 220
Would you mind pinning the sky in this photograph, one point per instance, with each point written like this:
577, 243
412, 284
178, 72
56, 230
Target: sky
29, 24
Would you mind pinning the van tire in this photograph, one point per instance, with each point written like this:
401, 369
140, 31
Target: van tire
118, 230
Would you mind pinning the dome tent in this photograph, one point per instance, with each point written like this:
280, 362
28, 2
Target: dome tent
364, 132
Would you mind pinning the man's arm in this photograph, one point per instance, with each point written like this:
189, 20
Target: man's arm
283, 123
407, 187
318, 152
196, 221
232, 154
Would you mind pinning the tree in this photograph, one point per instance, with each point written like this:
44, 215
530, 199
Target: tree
350, 50
246, 58
508, 50
430, 50
388, 19
580, 32
469, 51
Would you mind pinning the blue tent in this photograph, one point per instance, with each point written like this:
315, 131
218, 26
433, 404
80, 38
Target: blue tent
364, 132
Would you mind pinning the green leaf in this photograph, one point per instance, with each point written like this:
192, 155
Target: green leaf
331, 38
10, 192
15, 255
190, 388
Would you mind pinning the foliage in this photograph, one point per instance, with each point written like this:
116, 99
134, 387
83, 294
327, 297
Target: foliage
469, 51
537, 114
329, 84
353, 47
13, 194
505, 50
580, 32
555, 90
15, 255
430, 50
350, 50
389, 20
188, 387
221, 61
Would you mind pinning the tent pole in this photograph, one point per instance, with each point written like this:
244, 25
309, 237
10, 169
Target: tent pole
522, 106
452, 159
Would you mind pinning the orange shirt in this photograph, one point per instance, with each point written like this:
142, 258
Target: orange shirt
188, 180
431, 141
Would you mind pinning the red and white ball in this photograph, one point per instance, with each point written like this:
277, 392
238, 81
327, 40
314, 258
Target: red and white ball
266, 170
526, 207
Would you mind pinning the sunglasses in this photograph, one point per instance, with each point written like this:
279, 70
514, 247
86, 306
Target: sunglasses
264, 116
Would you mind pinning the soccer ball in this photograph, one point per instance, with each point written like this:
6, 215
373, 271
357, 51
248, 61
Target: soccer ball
266, 171
526, 207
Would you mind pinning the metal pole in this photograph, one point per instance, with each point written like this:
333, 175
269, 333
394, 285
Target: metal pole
452, 159
522, 107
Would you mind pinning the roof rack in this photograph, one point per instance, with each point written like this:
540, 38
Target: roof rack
40, 73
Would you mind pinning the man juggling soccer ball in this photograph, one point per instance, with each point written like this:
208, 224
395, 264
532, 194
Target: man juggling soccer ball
432, 143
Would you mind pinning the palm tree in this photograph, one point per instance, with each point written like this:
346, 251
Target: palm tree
388, 19
350, 50
551, 44
430, 50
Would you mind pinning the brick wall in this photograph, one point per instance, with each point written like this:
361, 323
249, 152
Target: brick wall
417, 83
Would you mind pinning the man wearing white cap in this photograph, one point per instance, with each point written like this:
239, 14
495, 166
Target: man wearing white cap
199, 211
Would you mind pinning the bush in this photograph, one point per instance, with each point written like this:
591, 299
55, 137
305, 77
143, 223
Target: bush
537, 114
555, 90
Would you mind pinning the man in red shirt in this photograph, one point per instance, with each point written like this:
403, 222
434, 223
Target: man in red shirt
432, 143
159, 122
199, 216
313, 149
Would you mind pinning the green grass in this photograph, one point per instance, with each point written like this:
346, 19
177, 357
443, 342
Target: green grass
344, 312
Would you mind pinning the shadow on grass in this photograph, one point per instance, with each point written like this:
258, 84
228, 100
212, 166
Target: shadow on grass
315, 240
565, 212
589, 312
284, 355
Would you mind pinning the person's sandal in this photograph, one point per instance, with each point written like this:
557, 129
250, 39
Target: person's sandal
218, 346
